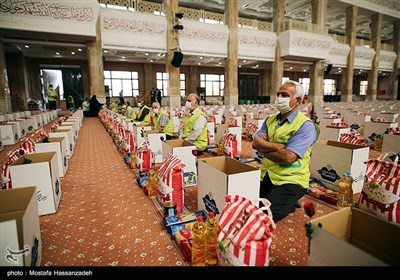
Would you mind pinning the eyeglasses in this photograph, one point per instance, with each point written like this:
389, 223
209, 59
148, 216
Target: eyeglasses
283, 94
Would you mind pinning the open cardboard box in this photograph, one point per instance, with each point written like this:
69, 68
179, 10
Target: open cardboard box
184, 150
155, 138
221, 176
43, 173
58, 145
352, 237
331, 159
20, 242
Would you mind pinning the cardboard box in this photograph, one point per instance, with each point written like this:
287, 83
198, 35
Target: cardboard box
71, 132
332, 132
19, 130
31, 124
391, 143
351, 237
155, 139
237, 130
138, 132
185, 151
221, 176
331, 159
68, 146
377, 127
211, 132
75, 128
1, 143
20, 242
23, 126
324, 121
43, 173
9, 133
58, 145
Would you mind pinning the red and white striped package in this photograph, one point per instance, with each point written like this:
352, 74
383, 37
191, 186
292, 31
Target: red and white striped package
341, 124
245, 233
130, 142
230, 145
380, 195
233, 122
170, 177
378, 119
145, 158
251, 128
351, 139
394, 130
28, 145
6, 175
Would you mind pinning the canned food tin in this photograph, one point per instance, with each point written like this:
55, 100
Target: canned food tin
169, 208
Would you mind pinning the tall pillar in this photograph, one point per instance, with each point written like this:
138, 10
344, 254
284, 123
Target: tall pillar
148, 81
277, 66
394, 77
5, 98
96, 67
351, 21
231, 92
194, 79
376, 26
319, 11
173, 72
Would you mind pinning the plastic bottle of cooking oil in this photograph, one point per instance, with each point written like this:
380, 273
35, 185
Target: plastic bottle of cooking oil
198, 242
345, 192
211, 240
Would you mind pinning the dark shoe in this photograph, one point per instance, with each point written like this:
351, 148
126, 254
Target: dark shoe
297, 205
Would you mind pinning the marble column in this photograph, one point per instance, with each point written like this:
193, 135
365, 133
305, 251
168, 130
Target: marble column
231, 91
173, 72
149, 82
96, 67
277, 66
319, 10
5, 98
394, 77
376, 26
351, 21
194, 80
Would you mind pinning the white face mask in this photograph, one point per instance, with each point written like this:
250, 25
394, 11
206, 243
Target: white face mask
188, 105
140, 104
282, 104
156, 111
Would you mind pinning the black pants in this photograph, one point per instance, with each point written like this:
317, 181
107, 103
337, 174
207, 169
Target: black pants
52, 105
283, 198
168, 137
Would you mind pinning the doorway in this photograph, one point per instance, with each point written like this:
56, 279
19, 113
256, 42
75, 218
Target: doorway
248, 86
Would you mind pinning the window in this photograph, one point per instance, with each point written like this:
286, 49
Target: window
329, 87
363, 87
182, 86
214, 84
305, 82
162, 83
284, 79
127, 81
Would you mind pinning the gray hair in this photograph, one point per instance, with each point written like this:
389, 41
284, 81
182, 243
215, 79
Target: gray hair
299, 88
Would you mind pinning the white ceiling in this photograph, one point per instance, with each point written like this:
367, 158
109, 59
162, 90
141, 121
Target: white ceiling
254, 9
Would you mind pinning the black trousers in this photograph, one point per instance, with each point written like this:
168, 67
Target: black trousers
283, 198
52, 105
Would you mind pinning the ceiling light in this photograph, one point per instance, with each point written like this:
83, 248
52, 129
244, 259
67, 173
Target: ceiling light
199, 63
26, 46
72, 52
245, 61
151, 60
257, 65
123, 57
240, 66
105, 51
147, 53
245, 6
305, 70
201, 57
219, 63
290, 67
79, 50
57, 53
